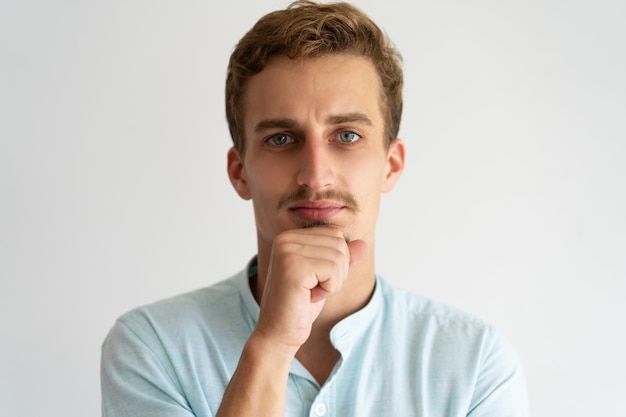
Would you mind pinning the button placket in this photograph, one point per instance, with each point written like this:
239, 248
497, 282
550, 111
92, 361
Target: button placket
320, 409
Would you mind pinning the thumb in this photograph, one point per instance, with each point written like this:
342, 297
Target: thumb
358, 251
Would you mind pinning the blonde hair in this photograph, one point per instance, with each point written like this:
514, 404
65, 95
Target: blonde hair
307, 29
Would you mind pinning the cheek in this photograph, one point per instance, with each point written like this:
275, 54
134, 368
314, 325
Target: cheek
267, 183
261, 191
368, 174
367, 190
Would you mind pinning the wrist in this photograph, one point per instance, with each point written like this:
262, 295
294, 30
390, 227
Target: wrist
262, 347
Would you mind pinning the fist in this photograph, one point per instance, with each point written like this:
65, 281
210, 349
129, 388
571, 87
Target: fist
306, 267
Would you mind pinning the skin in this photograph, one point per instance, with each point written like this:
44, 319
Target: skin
315, 165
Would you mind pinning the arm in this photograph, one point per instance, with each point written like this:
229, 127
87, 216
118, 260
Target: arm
500, 386
258, 386
137, 379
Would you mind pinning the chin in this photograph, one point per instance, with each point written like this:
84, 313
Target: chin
317, 223
325, 223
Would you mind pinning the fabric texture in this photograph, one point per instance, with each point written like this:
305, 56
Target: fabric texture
401, 355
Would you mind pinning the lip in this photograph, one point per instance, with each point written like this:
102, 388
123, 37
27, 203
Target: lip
315, 210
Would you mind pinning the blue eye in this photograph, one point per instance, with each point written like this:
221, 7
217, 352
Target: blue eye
348, 137
279, 139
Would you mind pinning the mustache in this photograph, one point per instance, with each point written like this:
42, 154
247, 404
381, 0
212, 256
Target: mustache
345, 198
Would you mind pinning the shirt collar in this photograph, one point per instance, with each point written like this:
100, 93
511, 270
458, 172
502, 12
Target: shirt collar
349, 331
246, 293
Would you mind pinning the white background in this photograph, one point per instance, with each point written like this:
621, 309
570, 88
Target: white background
113, 190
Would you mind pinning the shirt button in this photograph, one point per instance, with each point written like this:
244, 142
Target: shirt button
320, 409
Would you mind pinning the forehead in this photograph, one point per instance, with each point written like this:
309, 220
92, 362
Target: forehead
312, 89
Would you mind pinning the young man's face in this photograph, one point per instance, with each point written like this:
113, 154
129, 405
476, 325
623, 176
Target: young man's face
315, 151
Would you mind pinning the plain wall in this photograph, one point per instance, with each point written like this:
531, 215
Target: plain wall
113, 188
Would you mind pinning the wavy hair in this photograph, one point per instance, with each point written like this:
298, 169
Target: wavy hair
304, 30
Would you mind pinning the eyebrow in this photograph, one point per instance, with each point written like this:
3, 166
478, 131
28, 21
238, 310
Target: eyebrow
330, 120
348, 118
275, 124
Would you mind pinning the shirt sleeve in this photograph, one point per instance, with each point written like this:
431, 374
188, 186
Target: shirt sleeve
500, 389
137, 378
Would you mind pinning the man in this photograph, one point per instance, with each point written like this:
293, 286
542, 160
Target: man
313, 99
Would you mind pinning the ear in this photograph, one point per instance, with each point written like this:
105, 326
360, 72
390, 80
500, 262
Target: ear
395, 165
237, 174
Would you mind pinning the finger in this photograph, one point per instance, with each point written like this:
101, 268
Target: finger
318, 294
358, 251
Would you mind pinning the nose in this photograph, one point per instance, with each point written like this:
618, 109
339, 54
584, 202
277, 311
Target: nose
316, 170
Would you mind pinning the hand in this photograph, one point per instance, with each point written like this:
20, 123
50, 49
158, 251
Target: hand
306, 267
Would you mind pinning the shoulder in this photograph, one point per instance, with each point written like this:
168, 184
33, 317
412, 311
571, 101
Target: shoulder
444, 328
198, 300
414, 307
155, 354
189, 317
197, 303
460, 350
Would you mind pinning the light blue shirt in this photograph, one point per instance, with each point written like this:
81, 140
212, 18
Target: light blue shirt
401, 355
